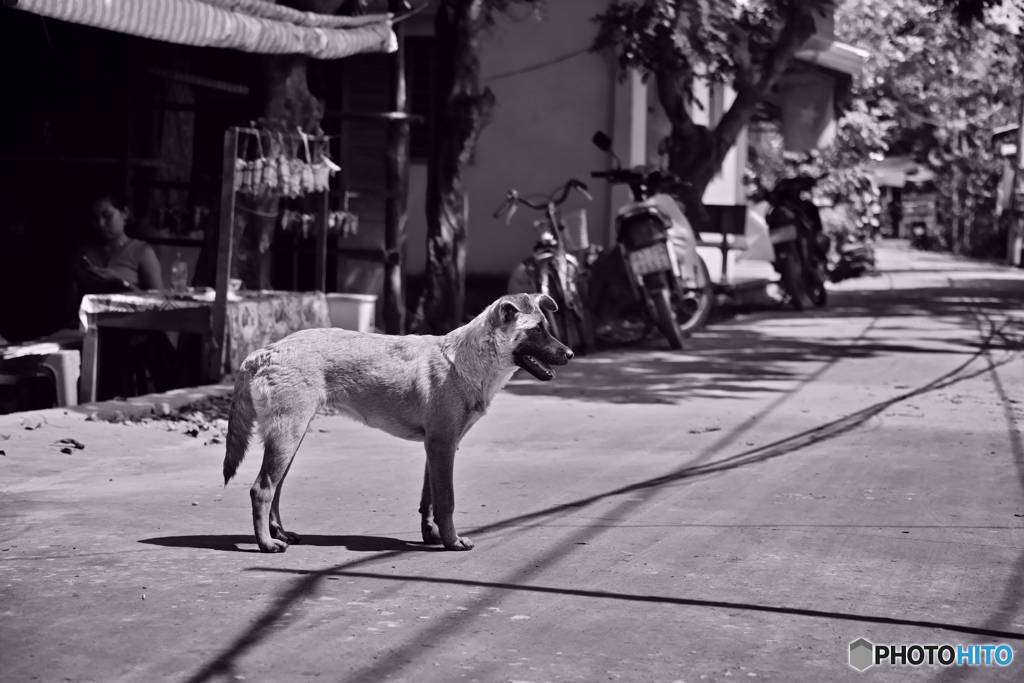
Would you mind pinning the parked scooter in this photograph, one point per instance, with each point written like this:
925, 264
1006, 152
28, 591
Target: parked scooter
926, 238
853, 258
801, 247
657, 250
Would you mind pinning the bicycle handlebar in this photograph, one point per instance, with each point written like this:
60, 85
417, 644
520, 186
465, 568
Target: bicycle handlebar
513, 199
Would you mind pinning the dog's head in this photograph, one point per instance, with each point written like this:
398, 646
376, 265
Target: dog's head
523, 335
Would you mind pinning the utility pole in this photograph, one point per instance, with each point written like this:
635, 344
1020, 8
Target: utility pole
956, 189
396, 209
1016, 234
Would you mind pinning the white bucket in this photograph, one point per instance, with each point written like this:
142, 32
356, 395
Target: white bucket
352, 311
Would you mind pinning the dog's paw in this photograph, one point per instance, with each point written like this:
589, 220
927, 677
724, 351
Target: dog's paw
286, 536
431, 534
274, 546
461, 543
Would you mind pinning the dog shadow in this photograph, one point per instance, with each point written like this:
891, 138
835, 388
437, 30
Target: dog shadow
247, 544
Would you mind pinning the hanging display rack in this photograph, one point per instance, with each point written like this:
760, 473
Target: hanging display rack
271, 162
280, 163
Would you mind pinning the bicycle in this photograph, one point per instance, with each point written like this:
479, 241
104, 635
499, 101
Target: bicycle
551, 269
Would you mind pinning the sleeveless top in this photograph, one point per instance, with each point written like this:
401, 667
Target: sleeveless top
123, 261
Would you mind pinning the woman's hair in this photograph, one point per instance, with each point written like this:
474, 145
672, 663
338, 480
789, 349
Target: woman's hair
117, 197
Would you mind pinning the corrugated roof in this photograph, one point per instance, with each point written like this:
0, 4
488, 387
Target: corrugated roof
248, 25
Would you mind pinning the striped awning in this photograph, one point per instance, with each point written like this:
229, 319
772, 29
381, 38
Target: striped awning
248, 25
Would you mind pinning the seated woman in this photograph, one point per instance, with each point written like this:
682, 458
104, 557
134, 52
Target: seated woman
112, 261
131, 362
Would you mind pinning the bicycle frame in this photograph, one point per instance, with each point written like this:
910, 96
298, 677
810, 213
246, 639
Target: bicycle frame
560, 257
554, 246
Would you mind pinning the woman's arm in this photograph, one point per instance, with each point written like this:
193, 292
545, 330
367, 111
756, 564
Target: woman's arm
150, 276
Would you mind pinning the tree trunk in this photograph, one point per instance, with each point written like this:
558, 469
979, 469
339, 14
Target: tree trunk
696, 153
463, 111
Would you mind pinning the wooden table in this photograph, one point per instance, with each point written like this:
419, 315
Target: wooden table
253, 320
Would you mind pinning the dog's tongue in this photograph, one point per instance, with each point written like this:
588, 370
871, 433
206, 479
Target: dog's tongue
536, 367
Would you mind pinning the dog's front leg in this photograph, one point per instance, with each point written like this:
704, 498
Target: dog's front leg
441, 472
428, 528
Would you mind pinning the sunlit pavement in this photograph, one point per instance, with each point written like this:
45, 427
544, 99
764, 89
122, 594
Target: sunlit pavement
745, 508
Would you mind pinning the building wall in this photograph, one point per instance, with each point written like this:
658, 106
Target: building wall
538, 139
540, 134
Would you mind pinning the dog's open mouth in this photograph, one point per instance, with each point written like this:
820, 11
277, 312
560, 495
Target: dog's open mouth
535, 366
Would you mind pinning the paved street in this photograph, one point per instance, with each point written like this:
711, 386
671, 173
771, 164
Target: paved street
744, 508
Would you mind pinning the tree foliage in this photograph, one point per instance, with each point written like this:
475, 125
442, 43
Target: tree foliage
936, 84
969, 12
945, 83
748, 44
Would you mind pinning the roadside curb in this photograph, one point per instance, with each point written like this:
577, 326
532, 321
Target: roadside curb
120, 411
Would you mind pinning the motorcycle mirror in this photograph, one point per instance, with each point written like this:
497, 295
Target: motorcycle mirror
508, 216
602, 141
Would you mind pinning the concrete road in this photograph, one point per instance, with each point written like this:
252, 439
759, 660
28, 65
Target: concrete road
743, 509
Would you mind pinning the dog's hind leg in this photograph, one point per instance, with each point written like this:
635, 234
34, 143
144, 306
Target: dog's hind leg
281, 439
428, 528
441, 468
276, 525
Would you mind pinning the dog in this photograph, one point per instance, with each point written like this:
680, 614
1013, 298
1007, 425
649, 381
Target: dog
431, 389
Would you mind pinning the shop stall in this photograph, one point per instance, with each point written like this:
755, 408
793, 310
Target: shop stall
187, 193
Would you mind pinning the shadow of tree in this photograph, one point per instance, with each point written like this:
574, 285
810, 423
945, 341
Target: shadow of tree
733, 360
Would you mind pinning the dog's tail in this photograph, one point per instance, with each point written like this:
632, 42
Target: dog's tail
240, 420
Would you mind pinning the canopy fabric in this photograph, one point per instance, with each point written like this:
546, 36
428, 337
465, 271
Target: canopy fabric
247, 25
270, 10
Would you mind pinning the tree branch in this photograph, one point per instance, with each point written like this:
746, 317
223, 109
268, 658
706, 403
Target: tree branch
670, 93
798, 28
742, 58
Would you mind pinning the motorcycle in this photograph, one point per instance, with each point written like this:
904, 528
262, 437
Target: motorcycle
853, 258
801, 247
926, 238
656, 248
551, 269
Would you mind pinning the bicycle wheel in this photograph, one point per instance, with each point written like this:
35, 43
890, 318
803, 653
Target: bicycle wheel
563, 323
578, 318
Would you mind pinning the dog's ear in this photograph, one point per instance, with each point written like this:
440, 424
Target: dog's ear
507, 312
546, 303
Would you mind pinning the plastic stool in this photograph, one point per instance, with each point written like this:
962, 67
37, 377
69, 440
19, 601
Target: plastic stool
63, 365
66, 366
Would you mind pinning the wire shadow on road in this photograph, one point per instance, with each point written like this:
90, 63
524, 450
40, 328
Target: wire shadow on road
268, 622
398, 657
669, 600
1013, 591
